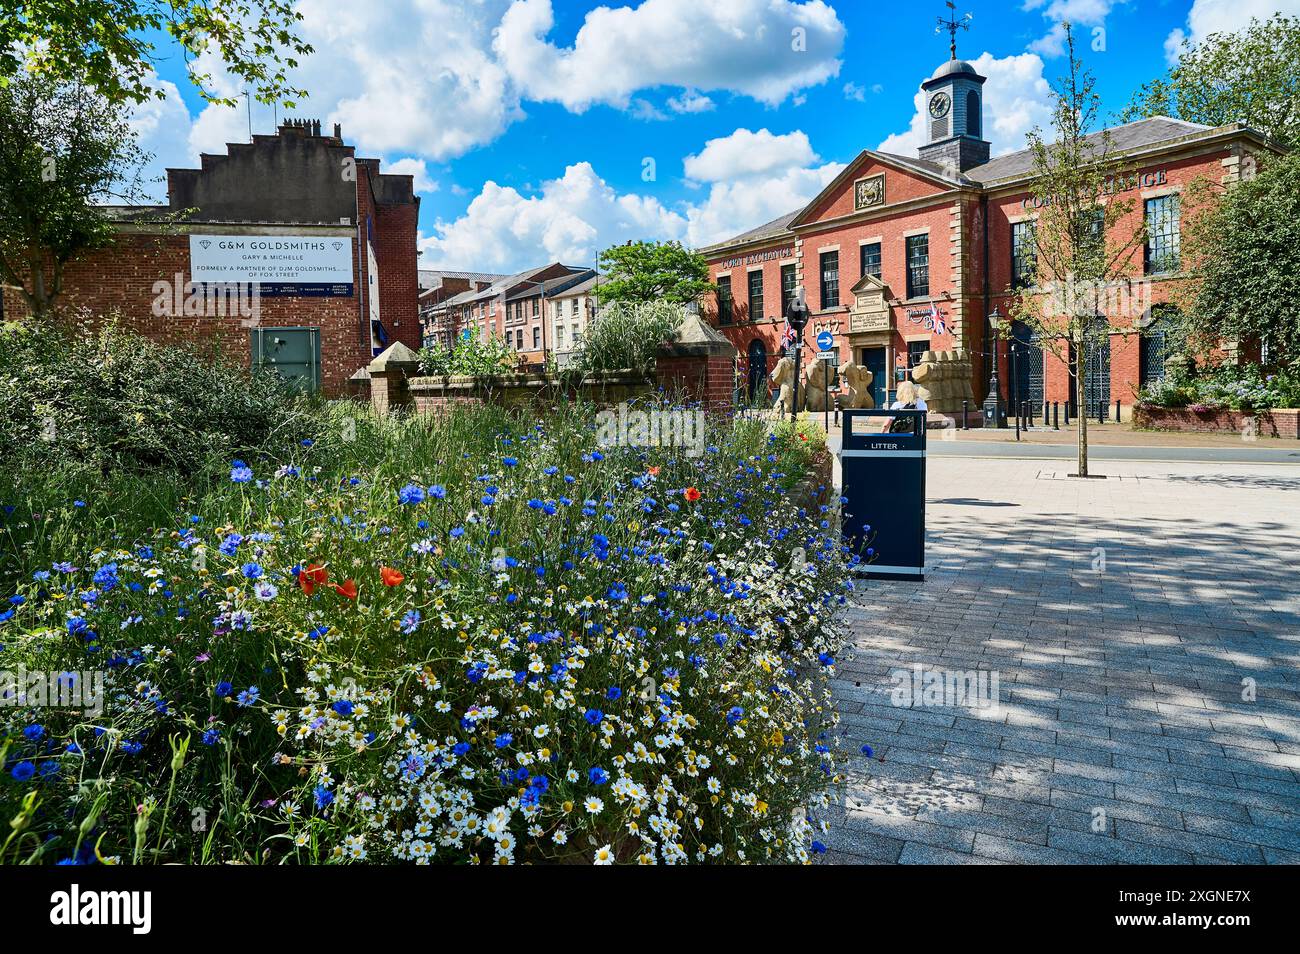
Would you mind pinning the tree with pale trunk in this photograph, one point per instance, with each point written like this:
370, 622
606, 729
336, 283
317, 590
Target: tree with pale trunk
1086, 242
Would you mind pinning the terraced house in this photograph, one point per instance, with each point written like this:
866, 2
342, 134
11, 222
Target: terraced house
900, 255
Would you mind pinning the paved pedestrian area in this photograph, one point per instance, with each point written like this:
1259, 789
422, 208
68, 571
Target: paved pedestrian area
1145, 632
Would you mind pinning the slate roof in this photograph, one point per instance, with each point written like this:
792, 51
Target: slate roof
434, 277
1130, 136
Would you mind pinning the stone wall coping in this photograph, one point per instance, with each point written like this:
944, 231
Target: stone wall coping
396, 355
529, 380
694, 338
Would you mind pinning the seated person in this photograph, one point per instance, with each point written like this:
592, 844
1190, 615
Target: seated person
906, 400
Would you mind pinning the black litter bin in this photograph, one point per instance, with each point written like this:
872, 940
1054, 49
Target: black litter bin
884, 483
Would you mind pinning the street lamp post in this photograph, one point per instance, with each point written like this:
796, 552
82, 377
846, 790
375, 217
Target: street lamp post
993, 403
797, 316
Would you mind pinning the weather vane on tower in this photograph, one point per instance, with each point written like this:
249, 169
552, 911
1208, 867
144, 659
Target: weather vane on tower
952, 25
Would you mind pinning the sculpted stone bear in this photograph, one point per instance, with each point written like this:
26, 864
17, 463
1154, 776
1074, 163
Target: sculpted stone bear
857, 381
783, 377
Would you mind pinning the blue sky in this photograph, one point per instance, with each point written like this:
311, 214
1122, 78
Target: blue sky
548, 129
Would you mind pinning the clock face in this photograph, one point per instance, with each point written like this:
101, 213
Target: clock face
939, 105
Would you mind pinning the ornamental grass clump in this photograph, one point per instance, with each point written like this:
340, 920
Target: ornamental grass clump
476, 639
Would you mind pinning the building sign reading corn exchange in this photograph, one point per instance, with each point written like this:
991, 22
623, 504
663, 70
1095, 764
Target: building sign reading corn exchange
755, 258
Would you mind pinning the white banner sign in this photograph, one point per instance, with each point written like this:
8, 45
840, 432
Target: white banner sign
272, 259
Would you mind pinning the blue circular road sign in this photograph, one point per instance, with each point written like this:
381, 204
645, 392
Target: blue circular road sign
825, 341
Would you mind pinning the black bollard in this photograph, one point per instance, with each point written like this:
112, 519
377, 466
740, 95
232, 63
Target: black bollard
965, 424
1116, 410
1056, 416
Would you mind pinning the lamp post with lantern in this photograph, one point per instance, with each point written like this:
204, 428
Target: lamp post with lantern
994, 414
797, 316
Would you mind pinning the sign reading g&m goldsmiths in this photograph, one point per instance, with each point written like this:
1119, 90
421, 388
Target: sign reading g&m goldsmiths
281, 264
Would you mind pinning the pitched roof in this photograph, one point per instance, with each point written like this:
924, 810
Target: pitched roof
1135, 135
777, 226
434, 277
506, 282
584, 286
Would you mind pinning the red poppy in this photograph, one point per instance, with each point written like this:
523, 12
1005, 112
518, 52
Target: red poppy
348, 589
390, 576
312, 576
653, 471
691, 494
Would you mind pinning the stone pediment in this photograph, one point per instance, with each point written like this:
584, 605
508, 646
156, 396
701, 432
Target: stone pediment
870, 308
869, 283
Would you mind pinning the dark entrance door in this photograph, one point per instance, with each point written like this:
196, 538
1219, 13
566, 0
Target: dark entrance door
1029, 365
873, 359
757, 390
1096, 374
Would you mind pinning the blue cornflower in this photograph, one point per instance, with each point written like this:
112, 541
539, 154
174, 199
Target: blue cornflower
33, 732
23, 770
613, 692
411, 494
248, 697
240, 473
224, 689
510, 461
343, 707
593, 716
252, 571
323, 796
502, 740
597, 775
211, 736
735, 714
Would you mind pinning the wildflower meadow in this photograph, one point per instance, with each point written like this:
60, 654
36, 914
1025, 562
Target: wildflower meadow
481, 637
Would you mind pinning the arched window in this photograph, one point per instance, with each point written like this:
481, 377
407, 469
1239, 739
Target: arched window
973, 112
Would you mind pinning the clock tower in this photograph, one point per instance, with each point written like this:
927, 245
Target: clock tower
954, 109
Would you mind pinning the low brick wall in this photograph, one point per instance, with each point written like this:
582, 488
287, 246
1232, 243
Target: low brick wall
430, 394
1279, 422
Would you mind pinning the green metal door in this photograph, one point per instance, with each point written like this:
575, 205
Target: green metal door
292, 353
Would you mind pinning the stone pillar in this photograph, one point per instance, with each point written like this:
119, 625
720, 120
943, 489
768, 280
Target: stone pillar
697, 363
388, 374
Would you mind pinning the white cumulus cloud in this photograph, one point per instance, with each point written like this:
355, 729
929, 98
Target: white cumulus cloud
570, 219
416, 168
765, 49
746, 153
1017, 97
752, 178
1223, 16
1090, 15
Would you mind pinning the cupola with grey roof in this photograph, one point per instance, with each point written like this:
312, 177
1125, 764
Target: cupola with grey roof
954, 117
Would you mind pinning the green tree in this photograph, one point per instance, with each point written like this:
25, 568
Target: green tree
1085, 237
653, 271
1251, 76
108, 44
75, 152
1243, 248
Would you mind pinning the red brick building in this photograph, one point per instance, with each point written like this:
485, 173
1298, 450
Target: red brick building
900, 255
287, 252
513, 308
